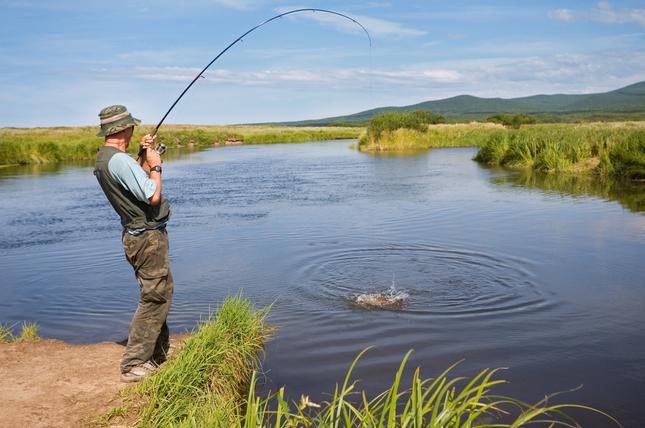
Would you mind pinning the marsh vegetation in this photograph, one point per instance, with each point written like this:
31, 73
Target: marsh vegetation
27, 146
601, 149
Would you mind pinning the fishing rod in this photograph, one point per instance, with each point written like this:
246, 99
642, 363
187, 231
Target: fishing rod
161, 148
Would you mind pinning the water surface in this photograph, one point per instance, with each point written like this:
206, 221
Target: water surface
500, 270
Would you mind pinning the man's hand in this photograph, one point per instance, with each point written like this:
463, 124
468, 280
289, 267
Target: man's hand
152, 157
147, 141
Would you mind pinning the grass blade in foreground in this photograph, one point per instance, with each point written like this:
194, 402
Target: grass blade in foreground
440, 403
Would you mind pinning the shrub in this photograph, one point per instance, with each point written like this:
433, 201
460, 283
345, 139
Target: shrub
391, 121
511, 120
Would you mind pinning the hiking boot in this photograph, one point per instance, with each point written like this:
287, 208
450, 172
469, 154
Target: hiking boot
136, 373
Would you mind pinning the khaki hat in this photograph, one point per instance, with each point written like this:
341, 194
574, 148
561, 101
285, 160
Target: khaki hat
115, 119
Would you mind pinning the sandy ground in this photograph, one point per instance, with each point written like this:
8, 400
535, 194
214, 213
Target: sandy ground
50, 383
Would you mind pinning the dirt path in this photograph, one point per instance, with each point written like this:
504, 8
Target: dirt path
50, 383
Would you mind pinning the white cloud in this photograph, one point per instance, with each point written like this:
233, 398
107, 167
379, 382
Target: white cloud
604, 12
340, 77
375, 26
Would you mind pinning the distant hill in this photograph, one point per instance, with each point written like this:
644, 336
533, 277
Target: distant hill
627, 102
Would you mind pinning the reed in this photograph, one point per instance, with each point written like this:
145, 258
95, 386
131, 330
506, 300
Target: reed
433, 136
210, 382
442, 402
606, 150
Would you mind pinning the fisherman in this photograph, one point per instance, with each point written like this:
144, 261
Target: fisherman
135, 194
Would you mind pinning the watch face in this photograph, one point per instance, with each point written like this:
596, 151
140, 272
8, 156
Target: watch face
156, 168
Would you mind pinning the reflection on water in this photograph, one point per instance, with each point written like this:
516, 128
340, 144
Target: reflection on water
630, 194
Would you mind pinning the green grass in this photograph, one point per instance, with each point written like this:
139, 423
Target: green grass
28, 331
616, 150
403, 139
601, 149
46, 145
442, 402
211, 381
207, 378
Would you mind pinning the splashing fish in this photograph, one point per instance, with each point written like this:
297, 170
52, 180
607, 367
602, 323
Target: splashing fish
387, 299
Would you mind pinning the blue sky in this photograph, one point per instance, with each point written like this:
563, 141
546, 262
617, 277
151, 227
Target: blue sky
62, 61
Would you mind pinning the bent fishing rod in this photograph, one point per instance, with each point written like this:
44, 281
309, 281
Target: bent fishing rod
161, 147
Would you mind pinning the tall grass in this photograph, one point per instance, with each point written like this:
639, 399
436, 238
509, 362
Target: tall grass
43, 145
441, 402
210, 382
434, 136
605, 150
206, 381
28, 331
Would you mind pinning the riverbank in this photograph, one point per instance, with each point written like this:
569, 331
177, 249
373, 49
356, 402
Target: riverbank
210, 381
26, 146
50, 383
601, 149
440, 135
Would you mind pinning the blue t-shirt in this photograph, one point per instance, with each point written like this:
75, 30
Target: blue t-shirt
129, 174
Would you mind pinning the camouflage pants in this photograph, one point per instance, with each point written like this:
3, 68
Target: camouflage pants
149, 338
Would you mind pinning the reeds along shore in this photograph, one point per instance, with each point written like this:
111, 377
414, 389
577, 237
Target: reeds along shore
211, 382
614, 150
44, 145
603, 149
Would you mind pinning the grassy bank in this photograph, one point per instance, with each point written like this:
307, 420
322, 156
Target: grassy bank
208, 378
603, 149
42, 145
211, 382
435, 136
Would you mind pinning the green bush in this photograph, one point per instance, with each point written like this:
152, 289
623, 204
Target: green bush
391, 121
511, 120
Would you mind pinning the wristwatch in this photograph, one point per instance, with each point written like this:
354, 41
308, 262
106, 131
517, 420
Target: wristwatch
156, 168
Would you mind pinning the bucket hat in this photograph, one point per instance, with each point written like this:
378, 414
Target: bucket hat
115, 119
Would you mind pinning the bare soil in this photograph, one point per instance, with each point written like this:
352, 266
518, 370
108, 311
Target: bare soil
50, 383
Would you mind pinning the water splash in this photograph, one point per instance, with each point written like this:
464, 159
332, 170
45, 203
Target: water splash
386, 299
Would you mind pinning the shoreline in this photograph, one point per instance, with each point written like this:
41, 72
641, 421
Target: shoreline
37, 146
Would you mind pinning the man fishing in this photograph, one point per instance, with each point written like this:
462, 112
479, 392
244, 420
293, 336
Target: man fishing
135, 194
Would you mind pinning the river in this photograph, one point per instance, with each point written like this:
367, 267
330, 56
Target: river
500, 270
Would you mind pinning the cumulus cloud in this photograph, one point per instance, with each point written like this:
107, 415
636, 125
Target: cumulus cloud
604, 12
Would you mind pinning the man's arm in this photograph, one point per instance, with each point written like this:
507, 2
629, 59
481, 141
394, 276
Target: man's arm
153, 159
129, 174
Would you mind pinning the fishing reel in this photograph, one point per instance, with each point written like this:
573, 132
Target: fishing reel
160, 148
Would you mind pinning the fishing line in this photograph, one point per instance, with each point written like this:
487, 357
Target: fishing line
239, 39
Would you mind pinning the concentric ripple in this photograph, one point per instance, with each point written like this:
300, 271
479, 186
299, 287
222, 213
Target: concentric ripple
439, 281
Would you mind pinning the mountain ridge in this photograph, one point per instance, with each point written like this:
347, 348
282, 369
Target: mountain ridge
625, 101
